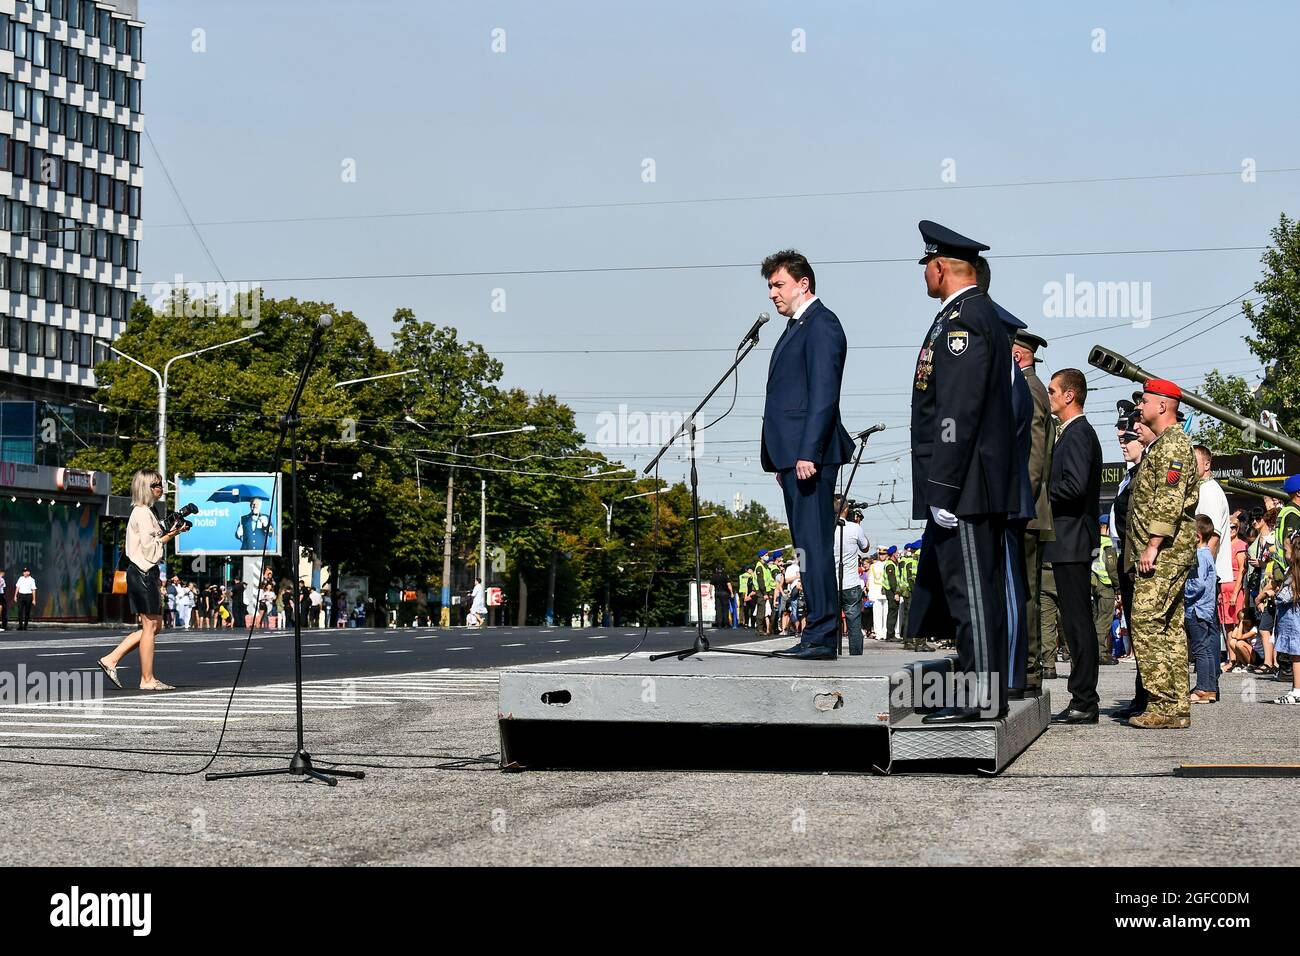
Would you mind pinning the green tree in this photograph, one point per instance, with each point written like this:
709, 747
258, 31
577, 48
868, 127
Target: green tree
1276, 342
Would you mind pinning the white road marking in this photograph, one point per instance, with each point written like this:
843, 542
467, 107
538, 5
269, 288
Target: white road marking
217, 662
407, 651
64, 654
320, 655
514, 645
562, 640
8, 733
460, 648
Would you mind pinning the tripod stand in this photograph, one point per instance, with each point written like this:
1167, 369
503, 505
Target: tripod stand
300, 764
688, 428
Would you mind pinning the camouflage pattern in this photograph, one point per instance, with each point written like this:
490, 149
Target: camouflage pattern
1164, 504
1164, 501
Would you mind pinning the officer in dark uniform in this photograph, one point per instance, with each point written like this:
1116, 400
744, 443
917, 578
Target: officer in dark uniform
964, 482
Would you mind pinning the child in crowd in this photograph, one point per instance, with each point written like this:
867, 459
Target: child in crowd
1200, 608
1244, 643
1284, 587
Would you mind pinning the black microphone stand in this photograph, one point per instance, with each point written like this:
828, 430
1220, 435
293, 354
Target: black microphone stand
300, 764
688, 428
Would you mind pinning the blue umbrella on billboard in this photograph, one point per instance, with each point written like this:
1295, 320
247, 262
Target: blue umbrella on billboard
237, 493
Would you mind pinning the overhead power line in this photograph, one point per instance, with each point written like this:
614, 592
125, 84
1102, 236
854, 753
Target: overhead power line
628, 204
688, 267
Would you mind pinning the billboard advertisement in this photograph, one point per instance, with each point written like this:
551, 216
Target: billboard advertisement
239, 513
59, 543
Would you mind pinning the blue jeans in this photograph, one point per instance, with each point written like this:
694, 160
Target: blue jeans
851, 604
1203, 637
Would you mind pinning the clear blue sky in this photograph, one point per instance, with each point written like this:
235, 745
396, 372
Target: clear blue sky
259, 125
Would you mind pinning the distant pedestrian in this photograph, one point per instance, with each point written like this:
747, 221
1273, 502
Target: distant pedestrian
26, 590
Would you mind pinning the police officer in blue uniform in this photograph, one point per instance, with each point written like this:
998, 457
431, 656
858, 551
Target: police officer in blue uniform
964, 476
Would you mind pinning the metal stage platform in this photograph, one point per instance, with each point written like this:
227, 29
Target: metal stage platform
728, 712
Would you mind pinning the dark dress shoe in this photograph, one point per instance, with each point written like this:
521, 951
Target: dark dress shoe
1033, 692
812, 652
792, 650
1016, 693
952, 715
1072, 716
1108, 659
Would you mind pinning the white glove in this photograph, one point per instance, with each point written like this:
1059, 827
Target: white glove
944, 519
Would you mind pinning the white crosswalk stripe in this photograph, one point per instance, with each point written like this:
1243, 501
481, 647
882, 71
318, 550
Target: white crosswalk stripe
155, 714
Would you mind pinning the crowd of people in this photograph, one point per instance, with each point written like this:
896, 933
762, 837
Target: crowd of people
265, 606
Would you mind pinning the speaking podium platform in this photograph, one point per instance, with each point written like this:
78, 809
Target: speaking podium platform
727, 712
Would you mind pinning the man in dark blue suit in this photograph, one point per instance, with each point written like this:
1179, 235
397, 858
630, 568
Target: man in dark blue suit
804, 441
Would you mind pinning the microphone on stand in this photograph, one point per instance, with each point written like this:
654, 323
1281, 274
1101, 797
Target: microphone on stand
753, 329
878, 427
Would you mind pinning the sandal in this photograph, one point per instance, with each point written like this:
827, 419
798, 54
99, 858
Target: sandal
156, 685
110, 673
1203, 697
1287, 699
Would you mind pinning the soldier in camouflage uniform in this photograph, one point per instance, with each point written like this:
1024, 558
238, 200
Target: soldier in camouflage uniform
1161, 543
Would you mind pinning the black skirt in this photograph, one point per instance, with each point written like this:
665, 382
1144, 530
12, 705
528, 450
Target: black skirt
142, 591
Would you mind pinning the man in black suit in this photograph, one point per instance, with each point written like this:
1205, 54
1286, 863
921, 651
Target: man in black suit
964, 482
1075, 493
804, 441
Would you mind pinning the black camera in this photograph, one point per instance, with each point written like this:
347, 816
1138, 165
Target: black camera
175, 520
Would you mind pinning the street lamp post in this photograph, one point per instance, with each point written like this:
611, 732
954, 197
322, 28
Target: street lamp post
162, 393
444, 618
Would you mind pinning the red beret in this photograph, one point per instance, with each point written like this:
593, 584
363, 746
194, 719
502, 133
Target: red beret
1160, 386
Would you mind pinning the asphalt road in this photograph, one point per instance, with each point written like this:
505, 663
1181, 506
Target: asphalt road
195, 660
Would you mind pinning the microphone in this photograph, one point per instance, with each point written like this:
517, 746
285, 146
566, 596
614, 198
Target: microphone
753, 329
878, 427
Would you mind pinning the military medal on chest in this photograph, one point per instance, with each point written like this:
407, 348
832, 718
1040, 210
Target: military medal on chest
925, 361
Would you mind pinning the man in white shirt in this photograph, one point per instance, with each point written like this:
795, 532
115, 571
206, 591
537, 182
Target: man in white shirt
26, 589
1213, 503
850, 544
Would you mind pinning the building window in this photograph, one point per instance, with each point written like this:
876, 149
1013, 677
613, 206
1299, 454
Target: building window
35, 281
70, 292
86, 357
51, 342
14, 340
6, 33
69, 352
87, 296
134, 40
33, 338
52, 285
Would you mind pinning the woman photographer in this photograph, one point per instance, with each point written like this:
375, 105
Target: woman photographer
145, 547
